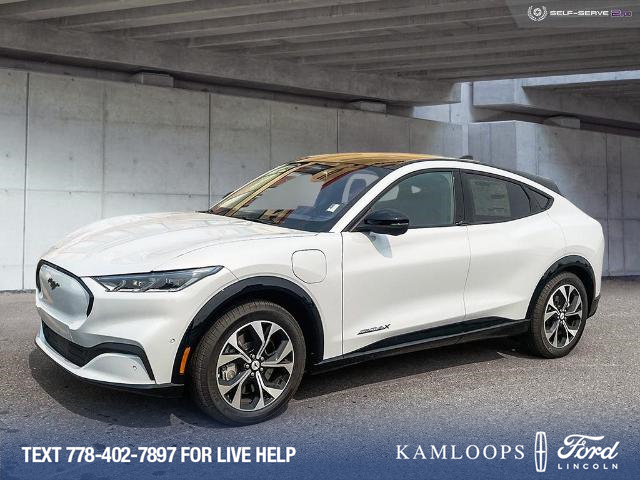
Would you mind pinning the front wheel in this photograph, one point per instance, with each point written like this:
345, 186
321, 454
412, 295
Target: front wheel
559, 316
249, 364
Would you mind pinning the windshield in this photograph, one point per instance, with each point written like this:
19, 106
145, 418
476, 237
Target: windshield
303, 196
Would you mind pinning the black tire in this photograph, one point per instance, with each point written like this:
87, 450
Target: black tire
204, 372
536, 339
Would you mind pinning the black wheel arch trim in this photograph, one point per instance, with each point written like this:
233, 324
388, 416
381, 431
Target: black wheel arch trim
265, 287
569, 263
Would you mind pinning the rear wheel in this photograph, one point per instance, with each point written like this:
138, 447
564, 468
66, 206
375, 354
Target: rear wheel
249, 364
559, 316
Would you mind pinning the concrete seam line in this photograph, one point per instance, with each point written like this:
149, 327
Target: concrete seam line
24, 193
209, 156
104, 148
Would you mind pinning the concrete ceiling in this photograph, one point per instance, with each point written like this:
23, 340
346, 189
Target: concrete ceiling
611, 98
426, 40
623, 86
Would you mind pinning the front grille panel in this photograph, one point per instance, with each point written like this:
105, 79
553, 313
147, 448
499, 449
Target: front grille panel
63, 294
73, 352
80, 356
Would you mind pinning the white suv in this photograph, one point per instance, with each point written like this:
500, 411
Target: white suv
325, 261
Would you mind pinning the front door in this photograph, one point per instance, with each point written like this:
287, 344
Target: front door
394, 285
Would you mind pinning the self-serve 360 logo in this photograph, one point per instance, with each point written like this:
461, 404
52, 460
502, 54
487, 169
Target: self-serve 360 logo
537, 13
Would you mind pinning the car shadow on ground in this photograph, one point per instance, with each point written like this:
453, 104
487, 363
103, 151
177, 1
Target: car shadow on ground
407, 365
121, 408
113, 407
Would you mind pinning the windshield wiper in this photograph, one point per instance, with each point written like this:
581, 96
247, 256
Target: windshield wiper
256, 219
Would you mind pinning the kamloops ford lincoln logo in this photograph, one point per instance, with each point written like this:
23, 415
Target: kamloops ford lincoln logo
584, 452
578, 452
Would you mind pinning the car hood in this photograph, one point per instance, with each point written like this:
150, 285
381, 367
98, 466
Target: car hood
140, 243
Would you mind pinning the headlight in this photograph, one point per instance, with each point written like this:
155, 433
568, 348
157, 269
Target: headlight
169, 281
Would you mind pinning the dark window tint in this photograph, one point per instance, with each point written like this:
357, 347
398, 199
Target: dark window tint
426, 198
541, 202
495, 200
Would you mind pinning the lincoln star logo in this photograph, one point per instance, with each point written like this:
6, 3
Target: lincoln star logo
52, 283
541, 452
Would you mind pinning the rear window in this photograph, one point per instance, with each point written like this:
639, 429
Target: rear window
492, 199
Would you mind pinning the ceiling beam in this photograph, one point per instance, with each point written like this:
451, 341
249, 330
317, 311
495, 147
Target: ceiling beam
195, 10
570, 81
388, 40
610, 93
529, 69
320, 33
37, 41
586, 54
316, 22
370, 61
549, 40
44, 9
510, 95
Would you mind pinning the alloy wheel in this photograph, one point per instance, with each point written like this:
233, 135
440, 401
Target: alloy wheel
563, 316
255, 365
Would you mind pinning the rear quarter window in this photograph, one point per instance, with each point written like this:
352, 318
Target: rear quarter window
540, 202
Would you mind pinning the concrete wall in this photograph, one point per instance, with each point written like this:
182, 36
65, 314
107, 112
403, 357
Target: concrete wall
599, 172
75, 150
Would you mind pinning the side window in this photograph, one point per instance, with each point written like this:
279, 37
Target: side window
356, 184
426, 198
495, 200
540, 202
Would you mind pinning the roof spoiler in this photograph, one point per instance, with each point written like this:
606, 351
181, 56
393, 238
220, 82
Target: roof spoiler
545, 182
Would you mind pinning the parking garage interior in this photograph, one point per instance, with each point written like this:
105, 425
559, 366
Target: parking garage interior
111, 107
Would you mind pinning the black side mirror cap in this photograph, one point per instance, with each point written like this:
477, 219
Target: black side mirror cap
385, 221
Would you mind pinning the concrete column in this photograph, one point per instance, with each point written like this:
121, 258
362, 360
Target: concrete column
13, 114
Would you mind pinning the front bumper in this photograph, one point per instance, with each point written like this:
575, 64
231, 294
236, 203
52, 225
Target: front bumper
128, 340
102, 371
110, 362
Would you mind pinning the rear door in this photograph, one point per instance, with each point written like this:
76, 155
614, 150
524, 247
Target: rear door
512, 242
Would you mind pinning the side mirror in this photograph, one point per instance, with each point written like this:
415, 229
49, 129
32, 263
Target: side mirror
385, 221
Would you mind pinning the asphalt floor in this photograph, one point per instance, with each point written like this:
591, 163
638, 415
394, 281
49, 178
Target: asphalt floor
461, 392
